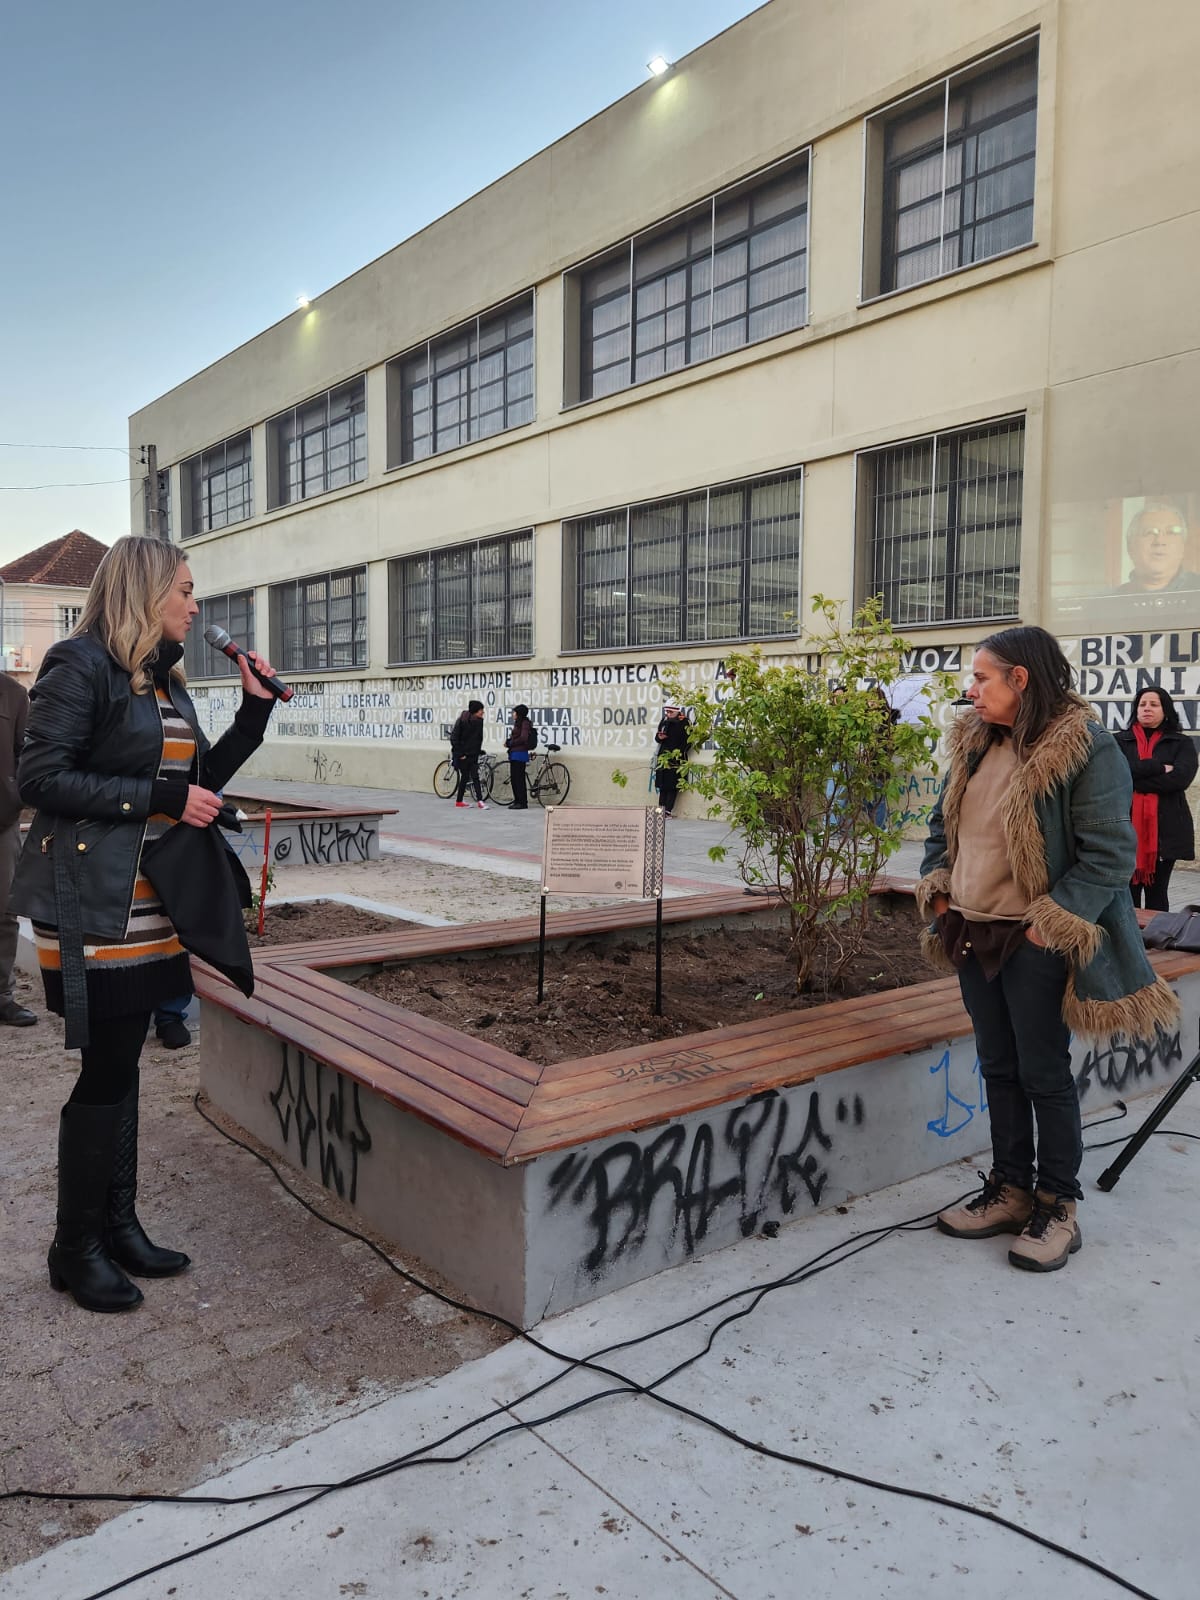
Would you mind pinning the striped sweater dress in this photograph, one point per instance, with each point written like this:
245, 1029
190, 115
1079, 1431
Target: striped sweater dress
148, 965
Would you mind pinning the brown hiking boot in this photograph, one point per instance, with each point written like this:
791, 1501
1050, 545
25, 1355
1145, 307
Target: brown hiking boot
999, 1207
1049, 1237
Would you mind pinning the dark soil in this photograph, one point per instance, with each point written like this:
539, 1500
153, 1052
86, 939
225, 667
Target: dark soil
599, 994
287, 923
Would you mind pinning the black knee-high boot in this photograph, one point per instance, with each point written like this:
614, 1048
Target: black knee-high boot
125, 1237
78, 1258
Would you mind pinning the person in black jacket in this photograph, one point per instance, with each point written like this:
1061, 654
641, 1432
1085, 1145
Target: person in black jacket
14, 709
672, 741
1162, 759
521, 741
466, 742
113, 757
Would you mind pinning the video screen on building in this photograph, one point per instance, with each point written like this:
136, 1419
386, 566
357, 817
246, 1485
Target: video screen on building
1126, 564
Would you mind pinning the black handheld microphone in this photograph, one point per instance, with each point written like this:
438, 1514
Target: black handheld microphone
220, 640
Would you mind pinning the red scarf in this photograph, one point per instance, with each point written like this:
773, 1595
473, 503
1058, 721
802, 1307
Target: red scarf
1145, 812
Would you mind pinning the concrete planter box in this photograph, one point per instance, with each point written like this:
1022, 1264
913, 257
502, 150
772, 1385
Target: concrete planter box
528, 1231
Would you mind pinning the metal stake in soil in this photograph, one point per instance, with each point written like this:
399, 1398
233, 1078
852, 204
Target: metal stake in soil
658, 956
542, 950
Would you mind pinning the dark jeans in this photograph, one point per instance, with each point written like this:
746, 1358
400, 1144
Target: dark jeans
1156, 892
1024, 1056
468, 772
516, 772
666, 781
108, 1069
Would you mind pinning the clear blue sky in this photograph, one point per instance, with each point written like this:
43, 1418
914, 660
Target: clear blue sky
173, 176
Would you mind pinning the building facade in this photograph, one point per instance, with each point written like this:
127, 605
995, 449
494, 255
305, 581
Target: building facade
42, 596
891, 298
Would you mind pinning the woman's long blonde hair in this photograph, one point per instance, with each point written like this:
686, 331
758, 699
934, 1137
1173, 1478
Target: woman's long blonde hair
124, 605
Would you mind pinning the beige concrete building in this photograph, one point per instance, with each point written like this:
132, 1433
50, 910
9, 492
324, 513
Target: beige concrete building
892, 297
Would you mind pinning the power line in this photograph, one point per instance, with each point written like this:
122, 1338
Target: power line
121, 449
94, 483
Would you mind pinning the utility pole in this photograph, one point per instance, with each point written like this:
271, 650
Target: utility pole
153, 521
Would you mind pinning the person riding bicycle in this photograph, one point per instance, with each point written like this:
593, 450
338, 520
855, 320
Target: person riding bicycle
520, 742
466, 743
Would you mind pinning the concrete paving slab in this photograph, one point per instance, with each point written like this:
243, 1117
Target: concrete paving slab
1065, 1403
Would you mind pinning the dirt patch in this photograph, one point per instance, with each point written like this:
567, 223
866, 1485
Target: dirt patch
599, 993
288, 923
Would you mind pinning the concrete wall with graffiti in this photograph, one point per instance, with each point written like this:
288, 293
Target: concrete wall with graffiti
570, 1226
612, 1212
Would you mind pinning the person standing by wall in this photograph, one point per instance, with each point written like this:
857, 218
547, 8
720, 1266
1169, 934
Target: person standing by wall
1162, 760
521, 741
114, 757
1026, 870
466, 742
14, 710
673, 745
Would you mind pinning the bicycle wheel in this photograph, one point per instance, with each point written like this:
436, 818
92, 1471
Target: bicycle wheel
445, 780
501, 791
552, 784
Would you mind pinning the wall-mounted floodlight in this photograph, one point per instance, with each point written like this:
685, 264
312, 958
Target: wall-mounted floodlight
302, 302
658, 65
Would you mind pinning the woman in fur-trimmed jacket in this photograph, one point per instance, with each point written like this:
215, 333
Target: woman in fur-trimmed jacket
1026, 870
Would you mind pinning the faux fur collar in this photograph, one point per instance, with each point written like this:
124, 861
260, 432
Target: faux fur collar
1060, 753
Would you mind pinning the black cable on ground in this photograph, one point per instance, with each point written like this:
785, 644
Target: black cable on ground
833, 1256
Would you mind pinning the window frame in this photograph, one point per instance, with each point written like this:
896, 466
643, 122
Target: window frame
398, 630
200, 472
952, 572
876, 204
632, 633
579, 375
299, 661
401, 436
206, 662
280, 472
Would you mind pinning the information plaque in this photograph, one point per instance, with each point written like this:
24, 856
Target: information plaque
605, 850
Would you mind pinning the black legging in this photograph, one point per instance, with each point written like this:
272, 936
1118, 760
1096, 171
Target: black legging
110, 1061
468, 771
1156, 892
516, 772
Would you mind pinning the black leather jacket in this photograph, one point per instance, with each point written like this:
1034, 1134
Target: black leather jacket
91, 758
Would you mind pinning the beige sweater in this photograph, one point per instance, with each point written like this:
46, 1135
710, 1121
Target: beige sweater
982, 885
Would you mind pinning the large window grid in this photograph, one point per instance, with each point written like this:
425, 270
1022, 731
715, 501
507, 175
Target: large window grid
234, 613
467, 602
722, 563
945, 525
66, 620
216, 487
473, 382
319, 446
958, 172
319, 624
727, 273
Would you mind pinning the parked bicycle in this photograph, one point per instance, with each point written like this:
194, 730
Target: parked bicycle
445, 777
548, 782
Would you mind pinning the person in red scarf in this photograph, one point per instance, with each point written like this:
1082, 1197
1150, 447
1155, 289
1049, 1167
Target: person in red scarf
1162, 759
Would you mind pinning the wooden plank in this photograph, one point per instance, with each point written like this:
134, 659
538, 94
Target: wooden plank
401, 1089
356, 1051
392, 1027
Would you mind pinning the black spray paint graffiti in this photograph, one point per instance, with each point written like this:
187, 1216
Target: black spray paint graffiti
1116, 1066
747, 1163
324, 842
325, 769
329, 1109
